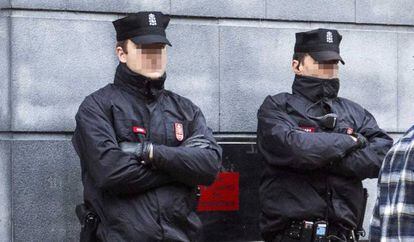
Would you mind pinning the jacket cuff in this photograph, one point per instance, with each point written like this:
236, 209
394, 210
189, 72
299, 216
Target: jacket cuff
158, 161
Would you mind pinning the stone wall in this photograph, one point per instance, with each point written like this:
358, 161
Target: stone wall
227, 56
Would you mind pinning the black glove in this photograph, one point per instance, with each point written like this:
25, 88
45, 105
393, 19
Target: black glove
197, 141
141, 150
361, 140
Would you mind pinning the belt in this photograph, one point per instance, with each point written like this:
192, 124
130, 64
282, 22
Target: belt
309, 231
340, 234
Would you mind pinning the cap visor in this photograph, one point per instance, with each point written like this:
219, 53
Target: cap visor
150, 39
323, 56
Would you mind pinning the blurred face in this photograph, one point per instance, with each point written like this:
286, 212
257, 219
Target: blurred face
310, 67
149, 60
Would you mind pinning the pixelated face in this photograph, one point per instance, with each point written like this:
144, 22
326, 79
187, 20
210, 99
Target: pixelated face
149, 60
310, 67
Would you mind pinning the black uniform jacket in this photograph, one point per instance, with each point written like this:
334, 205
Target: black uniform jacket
311, 172
133, 201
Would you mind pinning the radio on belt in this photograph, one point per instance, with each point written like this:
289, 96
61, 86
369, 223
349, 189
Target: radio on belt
320, 231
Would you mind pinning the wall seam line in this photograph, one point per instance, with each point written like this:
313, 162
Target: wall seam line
398, 81
10, 106
219, 75
215, 18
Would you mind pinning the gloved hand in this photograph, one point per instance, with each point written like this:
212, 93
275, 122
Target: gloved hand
197, 141
361, 140
142, 150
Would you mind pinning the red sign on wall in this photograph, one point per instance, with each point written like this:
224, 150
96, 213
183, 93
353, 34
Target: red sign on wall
222, 195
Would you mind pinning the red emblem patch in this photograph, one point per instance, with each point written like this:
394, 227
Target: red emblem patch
308, 129
222, 195
139, 130
179, 131
349, 131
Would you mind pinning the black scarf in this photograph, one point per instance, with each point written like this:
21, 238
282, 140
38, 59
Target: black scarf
138, 84
320, 92
314, 88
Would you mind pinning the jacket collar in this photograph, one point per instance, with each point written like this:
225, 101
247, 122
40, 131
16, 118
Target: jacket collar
314, 88
137, 84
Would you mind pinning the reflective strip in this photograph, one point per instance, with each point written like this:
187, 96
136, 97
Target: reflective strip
397, 239
395, 177
375, 222
396, 209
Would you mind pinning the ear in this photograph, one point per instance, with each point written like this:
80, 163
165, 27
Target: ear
296, 67
121, 54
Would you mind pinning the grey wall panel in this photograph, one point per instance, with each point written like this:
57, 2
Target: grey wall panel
316, 10
5, 191
39, 4
219, 8
58, 58
371, 186
56, 63
369, 76
4, 73
4, 3
121, 6
405, 81
361, 11
46, 185
385, 12
254, 63
193, 68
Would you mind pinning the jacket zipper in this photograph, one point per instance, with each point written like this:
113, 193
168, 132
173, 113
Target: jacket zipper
147, 104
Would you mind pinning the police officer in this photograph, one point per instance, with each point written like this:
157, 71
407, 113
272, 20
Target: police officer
143, 149
318, 147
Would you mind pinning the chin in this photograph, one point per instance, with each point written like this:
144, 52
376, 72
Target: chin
154, 75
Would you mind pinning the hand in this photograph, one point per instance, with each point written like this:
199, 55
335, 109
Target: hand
354, 138
360, 139
142, 150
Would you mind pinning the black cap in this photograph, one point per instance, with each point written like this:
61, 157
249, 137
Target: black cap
143, 28
321, 44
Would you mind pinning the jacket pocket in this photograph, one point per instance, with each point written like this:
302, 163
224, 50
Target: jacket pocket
129, 130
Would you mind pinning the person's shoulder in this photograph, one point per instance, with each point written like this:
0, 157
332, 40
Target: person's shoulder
353, 105
277, 100
350, 102
356, 110
180, 101
99, 98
